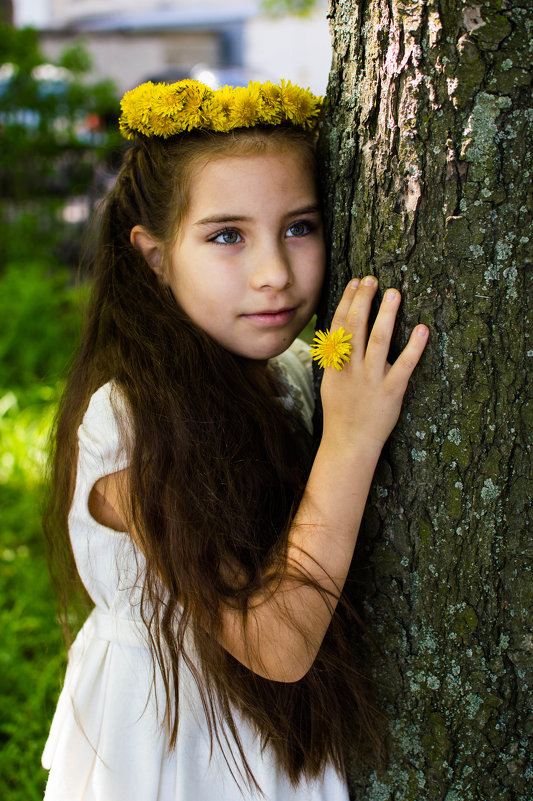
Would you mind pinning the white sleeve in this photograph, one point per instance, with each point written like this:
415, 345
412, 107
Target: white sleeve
102, 434
106, 559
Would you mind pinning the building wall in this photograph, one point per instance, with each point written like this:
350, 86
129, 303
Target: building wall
57, 13
129, 59
31, 12
290, 47
64, 11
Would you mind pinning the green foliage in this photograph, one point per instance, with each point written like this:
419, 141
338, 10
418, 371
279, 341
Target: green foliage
40, 323
20, 47
38, 310
31, 659
277, 8
54, 125
58, 140
75, 59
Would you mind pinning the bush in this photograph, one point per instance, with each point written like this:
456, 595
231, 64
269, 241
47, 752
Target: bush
59, 142
38, 307
55, 127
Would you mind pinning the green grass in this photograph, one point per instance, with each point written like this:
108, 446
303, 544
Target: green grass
39, 310
31, 652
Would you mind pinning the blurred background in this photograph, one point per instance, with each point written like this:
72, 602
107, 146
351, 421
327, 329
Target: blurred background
130, 39
63, 66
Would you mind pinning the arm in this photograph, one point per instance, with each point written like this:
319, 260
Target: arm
361, 406
284, 627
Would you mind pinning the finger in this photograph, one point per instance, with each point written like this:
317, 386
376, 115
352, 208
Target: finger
356, 322
381, 334
339, 318
403, 367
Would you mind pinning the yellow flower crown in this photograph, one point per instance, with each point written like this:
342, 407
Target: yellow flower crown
163, 109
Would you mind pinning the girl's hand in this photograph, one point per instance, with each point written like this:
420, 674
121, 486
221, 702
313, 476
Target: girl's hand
362, 402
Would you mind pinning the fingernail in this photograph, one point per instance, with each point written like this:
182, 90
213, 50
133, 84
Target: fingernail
369, 281
422, 331
355, 283
390, 294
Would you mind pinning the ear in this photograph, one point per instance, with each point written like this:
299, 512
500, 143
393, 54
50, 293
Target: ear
148, 246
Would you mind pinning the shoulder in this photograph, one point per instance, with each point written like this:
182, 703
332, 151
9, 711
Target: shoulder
294, 365
300, 350
104, 404
103, 433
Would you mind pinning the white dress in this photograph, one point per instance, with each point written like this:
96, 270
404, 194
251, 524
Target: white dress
107, 741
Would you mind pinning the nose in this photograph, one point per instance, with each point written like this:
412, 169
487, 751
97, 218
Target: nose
271, 268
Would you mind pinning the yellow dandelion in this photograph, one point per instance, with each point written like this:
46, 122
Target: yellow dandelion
289, 97
270, 92
193, 90
270, 95
246, 108
224, 99
222, 103
168, 109
126, 131
269, 106
161, 125
307, 109
331, 348
194, 98
167, 102
134, 104
213, 117
193, 95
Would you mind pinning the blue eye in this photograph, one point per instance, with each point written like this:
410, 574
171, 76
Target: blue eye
299, 229
227, 237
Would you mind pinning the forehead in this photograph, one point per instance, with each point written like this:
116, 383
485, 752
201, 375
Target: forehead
281, 173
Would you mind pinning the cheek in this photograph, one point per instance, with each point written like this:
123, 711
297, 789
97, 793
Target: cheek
319, 268
182, 280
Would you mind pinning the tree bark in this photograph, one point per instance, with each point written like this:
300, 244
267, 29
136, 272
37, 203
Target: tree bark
428, 147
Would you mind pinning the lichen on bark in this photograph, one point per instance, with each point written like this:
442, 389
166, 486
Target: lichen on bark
428, 151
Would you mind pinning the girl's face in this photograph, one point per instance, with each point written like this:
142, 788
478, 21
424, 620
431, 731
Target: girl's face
248, 262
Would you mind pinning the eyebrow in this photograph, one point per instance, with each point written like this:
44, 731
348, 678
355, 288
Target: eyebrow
313, 208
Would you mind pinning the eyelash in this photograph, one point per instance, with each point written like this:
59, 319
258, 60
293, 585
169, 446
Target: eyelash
306, 224
310, 226
214, 238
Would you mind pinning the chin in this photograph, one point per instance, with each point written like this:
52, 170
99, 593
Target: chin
265, 354
278, 349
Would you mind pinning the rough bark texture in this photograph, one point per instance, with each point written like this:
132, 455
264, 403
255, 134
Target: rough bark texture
428, 144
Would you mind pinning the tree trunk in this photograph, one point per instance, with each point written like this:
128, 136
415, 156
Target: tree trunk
6, 12
428, 145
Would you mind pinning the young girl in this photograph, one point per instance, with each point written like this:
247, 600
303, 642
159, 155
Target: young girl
214, 665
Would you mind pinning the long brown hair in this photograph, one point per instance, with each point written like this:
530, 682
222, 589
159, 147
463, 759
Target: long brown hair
217, 468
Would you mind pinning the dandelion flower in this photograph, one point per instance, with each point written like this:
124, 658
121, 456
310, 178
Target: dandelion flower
290, 96
307, 110
331, 348
134, 104
270, 94
161, 125
163, 110
213, 117
224, 99
246, 107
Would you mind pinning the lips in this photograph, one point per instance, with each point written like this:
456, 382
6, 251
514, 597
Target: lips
271, 317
